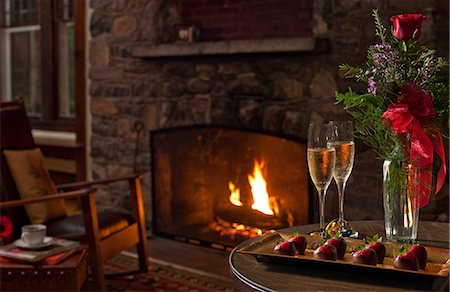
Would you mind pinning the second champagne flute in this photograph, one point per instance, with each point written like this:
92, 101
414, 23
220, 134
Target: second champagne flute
321, 160
345, 153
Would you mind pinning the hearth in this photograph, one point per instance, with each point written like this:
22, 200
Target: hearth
219, 185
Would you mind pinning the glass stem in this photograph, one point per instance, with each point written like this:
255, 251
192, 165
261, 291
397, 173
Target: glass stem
322, 210
341, 190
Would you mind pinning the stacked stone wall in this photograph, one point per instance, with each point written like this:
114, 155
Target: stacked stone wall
281, 92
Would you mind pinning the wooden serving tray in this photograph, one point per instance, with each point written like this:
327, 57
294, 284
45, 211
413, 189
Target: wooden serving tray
262, 250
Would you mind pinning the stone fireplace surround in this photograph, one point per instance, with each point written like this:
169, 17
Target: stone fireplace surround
139, 73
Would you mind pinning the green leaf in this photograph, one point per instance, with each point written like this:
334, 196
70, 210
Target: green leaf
375, 238
380, 30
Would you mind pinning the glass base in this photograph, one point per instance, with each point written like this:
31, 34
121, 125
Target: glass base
345, 230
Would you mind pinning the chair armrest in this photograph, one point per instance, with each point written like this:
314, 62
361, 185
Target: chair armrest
84, 184
65, 195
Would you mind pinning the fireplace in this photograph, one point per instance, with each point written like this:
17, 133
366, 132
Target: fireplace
219, 185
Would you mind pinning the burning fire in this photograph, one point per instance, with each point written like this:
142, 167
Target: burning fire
235, 196
259, 191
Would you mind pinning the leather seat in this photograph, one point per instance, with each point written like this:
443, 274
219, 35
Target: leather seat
110, 220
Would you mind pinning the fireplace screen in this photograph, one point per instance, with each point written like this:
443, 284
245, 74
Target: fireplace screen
221, 185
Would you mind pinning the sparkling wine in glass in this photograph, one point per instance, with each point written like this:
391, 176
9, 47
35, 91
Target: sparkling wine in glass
345, 154
321, 161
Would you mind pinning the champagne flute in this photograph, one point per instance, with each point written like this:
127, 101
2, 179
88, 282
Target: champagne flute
321, 161
345, 152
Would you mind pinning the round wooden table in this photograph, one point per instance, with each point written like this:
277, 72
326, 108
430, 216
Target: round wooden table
249, 274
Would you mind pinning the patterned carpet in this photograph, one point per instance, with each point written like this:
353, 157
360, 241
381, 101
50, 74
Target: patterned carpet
162, 276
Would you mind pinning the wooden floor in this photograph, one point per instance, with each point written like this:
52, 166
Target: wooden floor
201, 258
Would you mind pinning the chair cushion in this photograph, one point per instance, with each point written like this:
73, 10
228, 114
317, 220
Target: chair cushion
32, 180
110, 220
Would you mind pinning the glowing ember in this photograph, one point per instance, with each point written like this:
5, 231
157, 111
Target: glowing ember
235, 196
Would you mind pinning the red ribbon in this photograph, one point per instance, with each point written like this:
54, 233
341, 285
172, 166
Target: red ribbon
411, 115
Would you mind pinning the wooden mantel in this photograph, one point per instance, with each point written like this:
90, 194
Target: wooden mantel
180, 49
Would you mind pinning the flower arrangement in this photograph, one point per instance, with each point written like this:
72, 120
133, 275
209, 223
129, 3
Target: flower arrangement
6, 228
407, 89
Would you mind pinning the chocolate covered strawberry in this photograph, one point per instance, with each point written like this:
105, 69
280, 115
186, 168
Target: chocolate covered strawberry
375, 244
421, 254
365, 256
299, 243
340, 245
326, 252
285, 248
380, 249
406, 261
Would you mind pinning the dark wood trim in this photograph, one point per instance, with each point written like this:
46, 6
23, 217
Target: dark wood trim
86, 184
66, 195
49, 64
137, 206
50, 120
80, 85
90, 219
63, 124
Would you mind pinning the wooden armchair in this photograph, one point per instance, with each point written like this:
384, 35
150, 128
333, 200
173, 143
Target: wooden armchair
105, 230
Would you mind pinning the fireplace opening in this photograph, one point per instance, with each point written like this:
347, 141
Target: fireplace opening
219, 185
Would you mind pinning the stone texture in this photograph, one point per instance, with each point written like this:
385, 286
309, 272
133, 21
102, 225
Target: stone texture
233, 68
273, 118
109, 6
323, 85
206, 69
281, 92
247, 86
287, 89
150, 117
95, 89
173, 88
105, 73
296, 123
198, 86
104, 108
146, 88
98, 53
117, 90
250, 113
124, 26
100, 23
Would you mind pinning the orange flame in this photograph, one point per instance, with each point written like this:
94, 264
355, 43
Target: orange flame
259, 190
235, 196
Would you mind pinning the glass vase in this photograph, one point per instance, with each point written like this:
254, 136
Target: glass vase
401, 213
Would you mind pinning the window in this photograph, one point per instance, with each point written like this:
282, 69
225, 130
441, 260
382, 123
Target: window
38, 59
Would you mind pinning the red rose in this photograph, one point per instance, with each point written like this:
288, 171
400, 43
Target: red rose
419, 101
6, 228
405, 25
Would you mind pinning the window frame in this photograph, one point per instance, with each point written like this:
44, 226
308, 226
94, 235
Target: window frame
50, 118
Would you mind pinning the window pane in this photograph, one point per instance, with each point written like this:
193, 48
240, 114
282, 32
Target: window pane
66, 69
23, 66
19, 12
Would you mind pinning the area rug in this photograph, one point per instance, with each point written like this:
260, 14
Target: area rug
162, 276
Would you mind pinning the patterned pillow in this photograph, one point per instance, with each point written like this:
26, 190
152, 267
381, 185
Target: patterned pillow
33, 180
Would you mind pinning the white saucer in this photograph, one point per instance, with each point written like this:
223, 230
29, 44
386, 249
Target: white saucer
22, 244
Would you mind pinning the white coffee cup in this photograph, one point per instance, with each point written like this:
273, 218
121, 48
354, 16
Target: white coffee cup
33, 234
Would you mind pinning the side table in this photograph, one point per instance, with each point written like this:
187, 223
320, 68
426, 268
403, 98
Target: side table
69, 275
249, 274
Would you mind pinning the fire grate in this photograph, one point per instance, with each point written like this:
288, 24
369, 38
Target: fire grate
219, 185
